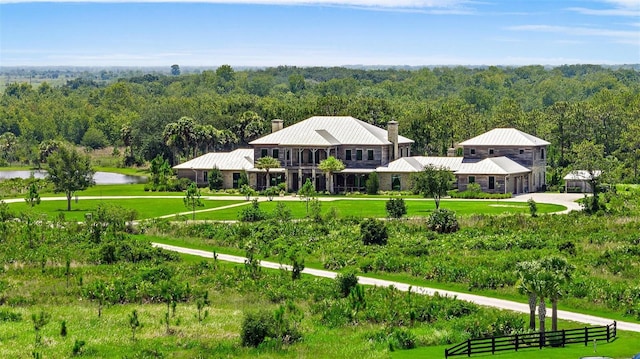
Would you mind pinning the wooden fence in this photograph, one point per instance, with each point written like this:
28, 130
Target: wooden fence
533, 340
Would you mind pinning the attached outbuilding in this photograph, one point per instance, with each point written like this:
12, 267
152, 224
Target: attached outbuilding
494, 175
231, 164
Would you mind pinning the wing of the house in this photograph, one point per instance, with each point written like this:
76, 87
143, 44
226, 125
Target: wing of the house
494, 175
397, 174
231, 164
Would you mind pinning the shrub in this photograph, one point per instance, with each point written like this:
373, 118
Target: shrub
252, 213
345, 282
372, 183
215, 179
396, 208
264, 326
533, 207
443, 221
373, 231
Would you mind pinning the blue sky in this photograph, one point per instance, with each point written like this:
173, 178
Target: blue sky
318, 33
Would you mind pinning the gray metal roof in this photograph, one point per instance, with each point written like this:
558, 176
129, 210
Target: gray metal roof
581, 175
505, 137
418, 163
328, 131
491, 166
240, 159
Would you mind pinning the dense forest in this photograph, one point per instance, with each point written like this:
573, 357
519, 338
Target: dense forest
227, 108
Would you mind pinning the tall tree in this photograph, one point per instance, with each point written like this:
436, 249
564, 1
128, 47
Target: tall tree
588, 156
69, 171
432, 182
330, 166
267, 163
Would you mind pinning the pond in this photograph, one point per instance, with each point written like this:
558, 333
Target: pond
99, 177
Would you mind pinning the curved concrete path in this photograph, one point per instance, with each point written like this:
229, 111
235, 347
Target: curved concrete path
480, 300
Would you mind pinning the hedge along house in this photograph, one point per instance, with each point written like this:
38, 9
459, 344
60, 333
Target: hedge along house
527, 151
230, 164
362, 148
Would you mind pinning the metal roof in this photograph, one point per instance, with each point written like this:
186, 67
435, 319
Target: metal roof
505, 137
491, 166
581, 175
329, 131
418, 163
240, 159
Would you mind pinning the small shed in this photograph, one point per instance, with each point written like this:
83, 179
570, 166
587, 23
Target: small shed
578, 181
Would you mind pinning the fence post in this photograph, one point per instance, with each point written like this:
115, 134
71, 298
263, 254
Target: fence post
493, 345
446, 353
541, 340
563, 337
608, 330
586, 336
517, 342
468, 347
615, 329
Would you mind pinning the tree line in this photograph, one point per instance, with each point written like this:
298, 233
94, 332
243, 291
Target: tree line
181, 116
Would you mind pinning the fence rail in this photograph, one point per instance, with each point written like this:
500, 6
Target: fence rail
533, 340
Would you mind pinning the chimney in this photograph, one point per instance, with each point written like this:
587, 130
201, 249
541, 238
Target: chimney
276, 125
392, 136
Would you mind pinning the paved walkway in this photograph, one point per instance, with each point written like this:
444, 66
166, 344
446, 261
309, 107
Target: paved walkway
484, 301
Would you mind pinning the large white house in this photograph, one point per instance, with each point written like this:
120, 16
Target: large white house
502, 160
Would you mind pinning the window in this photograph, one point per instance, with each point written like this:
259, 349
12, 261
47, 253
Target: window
542, 153
288, 152
347, 155
264, 152
236, 179
521, 151
472, 179
359, 155
401, 152
472, 151
317, 157
395, 182
491, 151
492, 182
370, 155
205, 176
275, 153
310, 156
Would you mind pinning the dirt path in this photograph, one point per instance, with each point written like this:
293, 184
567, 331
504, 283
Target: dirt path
485, 301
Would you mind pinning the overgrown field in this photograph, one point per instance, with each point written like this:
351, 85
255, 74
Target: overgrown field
93, 276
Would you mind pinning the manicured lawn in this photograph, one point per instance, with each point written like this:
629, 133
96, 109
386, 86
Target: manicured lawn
376, 208
145, 207
625, 346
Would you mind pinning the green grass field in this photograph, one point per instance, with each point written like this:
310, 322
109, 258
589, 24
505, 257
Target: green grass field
376, 208
145, 207
625, 346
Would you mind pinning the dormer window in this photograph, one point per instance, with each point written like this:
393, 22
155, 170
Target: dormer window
491, 152
521, 151
472, 151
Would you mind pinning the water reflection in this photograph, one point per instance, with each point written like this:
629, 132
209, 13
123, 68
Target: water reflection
99, 177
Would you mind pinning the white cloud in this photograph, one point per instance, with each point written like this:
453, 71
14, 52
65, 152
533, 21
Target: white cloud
619, 8
621, 36
412, 4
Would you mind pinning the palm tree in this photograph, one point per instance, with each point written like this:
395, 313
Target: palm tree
559, 270
527, 272
267, 163
329, 166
